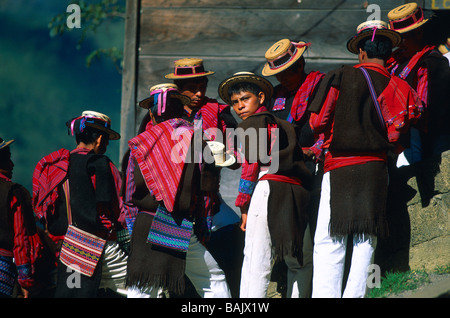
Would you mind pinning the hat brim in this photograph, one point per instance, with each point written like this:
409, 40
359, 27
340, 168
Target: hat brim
113, 135
5, 144
264, 84
174, 76
267, 71
394, 36
148, 102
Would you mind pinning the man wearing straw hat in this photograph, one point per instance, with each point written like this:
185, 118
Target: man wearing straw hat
211, 120
419, 62
362, 110
163, 193
445, 49
272, 195
19, 241
92, 203
285, 61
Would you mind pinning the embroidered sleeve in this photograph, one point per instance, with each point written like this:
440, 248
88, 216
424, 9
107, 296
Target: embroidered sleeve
317, 147
322, 123
22, 245
247, 183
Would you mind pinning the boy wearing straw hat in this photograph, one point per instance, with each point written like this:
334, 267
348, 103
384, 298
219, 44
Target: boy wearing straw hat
362, 110
212, 119
419, 62
93, 197
164, 195
19, 241
285, 61
272, 197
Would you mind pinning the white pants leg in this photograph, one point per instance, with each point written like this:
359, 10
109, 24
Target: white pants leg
135, 292
299, 277
114, 269
204, 272
329, 256
362, 257
257, 264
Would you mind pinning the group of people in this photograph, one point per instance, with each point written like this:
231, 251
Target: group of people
158, 227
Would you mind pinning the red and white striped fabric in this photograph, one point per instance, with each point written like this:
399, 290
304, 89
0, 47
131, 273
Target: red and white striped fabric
161, 153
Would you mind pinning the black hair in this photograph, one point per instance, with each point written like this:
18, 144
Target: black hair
86, 134
380, 47
89, 135
244, 87
5, 158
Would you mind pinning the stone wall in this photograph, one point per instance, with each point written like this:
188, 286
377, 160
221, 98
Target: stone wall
418, 213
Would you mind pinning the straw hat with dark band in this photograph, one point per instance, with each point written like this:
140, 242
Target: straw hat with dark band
370, 29
188, 68
406, 18
169, 88
282, 55
4, 144
242, 77
445, 48
95, 120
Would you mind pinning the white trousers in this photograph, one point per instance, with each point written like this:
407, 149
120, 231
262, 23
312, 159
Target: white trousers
257, 265
329, 256
203, 271
114, 268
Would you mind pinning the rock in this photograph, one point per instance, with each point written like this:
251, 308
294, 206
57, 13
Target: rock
418, 214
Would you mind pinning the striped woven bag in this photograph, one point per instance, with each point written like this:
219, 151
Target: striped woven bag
80, 250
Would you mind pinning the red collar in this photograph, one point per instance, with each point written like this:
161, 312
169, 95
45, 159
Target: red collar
2, 176
81, 150
375, 67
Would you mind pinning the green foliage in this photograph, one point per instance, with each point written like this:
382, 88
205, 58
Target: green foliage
93, 16
397, 282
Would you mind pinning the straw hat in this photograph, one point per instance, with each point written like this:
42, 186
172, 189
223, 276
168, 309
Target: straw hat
96, 120
241, 77
188, 68
406, 18
4, 144
171, 90
282, 55
445, 48
369, 29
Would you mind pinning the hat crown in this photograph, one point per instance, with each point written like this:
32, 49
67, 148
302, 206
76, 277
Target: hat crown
278, 49
372, 24
94, 114
403, 11
164, 87
191, 61
406, 17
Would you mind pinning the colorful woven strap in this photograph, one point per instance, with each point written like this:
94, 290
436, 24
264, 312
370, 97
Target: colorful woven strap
374, 96
66, 194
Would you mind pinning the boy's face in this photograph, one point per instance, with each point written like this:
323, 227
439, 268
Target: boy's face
246, 103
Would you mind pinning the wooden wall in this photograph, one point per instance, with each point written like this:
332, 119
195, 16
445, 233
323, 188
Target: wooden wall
231, 36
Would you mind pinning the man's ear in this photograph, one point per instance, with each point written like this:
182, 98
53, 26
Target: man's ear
261, 97
362, 56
